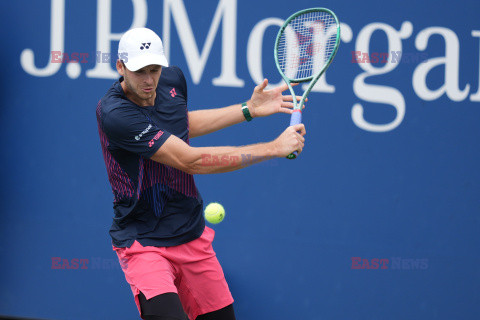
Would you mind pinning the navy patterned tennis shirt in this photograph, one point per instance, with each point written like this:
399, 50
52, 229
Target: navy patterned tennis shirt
155, 204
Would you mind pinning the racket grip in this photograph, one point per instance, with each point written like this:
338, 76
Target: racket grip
296, 118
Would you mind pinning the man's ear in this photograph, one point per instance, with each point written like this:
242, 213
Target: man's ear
120, 67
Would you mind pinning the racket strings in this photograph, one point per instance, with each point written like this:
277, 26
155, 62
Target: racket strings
307, 44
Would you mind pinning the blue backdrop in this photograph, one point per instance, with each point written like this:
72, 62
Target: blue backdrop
390, 168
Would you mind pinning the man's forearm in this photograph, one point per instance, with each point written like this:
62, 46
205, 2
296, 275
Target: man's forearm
202, 160
203, 122
225, 159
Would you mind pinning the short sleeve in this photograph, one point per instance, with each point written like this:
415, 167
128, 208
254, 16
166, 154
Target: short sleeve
128, 128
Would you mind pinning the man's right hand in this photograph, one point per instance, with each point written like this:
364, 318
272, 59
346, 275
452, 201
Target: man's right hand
290, 140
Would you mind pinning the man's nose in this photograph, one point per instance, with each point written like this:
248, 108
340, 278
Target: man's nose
148, 78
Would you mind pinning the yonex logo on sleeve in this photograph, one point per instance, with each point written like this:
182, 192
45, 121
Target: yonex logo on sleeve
145, 45
143, 132
157, 136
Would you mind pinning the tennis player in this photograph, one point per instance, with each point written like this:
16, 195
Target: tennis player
158, 230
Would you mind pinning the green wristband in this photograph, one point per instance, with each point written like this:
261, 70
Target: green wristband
246, 112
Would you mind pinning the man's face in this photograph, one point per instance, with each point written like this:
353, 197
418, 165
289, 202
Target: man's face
140, 84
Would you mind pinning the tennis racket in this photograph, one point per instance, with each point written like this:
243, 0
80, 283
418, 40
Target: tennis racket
305, 47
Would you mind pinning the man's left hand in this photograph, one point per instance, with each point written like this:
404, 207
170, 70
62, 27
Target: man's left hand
267, 102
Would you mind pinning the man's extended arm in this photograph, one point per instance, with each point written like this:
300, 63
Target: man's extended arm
202, 122
262, 103
176, 153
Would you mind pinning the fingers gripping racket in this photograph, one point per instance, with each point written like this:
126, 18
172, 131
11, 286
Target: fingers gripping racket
305, 47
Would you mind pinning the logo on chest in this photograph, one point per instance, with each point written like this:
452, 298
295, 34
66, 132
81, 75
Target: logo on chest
173, 93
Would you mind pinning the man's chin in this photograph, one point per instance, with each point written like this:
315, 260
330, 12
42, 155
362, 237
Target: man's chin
146, 95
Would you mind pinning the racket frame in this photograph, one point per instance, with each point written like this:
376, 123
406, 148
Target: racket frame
296, 118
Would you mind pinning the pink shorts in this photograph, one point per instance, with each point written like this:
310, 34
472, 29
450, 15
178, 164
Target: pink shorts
191, 270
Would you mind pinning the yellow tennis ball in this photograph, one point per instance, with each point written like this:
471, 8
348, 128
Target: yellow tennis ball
214, 213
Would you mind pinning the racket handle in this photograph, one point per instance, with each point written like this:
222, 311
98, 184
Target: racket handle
296, 118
